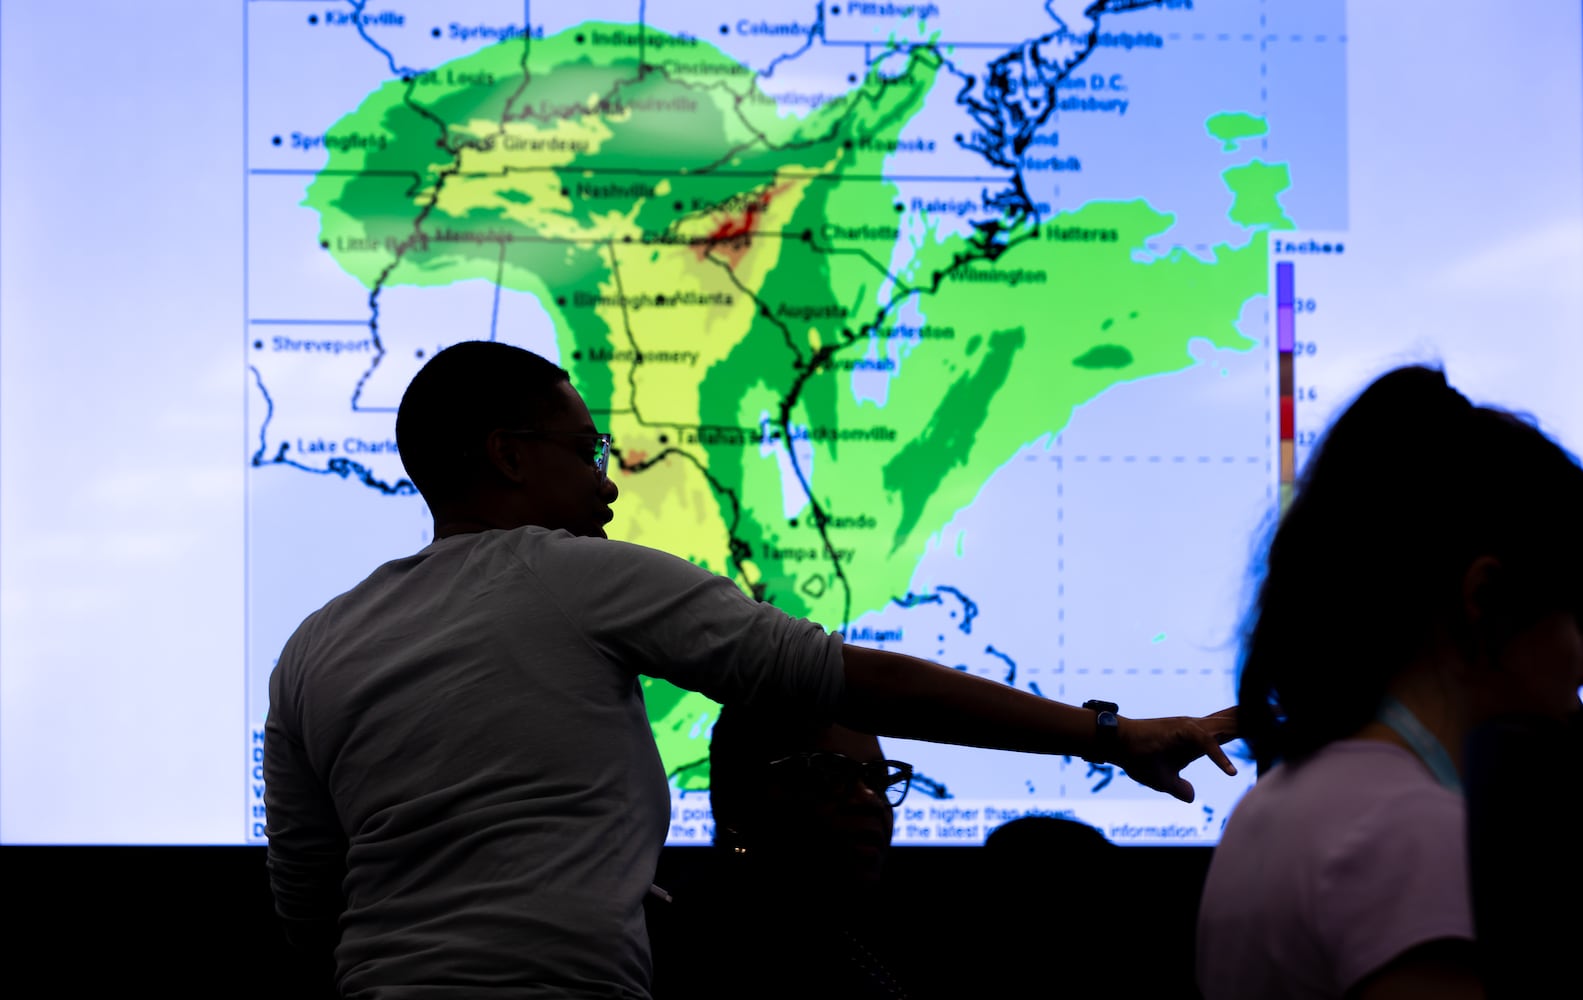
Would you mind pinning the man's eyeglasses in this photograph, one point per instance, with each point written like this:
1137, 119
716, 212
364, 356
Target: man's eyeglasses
835, 772
594, 448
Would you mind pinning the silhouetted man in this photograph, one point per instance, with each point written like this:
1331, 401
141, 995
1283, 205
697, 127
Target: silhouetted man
464, 795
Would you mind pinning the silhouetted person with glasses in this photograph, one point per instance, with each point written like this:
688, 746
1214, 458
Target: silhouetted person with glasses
464, 796
793, 904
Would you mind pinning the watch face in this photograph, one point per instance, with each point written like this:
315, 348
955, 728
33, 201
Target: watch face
1107, 719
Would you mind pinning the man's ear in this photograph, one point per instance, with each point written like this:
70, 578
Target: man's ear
504, 452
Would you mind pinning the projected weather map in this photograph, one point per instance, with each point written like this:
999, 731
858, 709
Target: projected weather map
906, 317
990, 333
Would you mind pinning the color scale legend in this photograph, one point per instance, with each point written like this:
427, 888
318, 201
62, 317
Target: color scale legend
1285, 343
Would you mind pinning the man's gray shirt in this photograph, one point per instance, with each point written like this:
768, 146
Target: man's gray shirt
459, 763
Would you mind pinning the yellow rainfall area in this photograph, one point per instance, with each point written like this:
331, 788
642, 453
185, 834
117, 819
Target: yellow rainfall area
669, 504
683, 312
681, 316
523, 158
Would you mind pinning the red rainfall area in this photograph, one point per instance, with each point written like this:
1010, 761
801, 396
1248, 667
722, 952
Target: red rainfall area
734, 234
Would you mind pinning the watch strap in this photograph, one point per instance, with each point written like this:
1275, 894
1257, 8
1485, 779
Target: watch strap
1107, 730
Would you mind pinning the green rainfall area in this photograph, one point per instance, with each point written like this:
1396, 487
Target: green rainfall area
1230, 127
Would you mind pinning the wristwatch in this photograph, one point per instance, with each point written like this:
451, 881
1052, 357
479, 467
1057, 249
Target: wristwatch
1107, 731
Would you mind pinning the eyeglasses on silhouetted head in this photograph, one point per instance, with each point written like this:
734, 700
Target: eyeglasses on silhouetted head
594, 448
834, 772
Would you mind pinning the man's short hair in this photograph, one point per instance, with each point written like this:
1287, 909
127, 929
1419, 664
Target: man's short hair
456, 399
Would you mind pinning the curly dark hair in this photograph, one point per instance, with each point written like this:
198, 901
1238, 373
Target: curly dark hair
744, 741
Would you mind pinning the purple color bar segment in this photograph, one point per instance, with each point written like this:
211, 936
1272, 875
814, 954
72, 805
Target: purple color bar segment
1285, 320
1285, 330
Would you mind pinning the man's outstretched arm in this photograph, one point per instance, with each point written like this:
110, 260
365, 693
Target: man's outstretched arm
891, 694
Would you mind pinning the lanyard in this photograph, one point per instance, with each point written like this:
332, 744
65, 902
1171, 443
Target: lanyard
1421, 741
